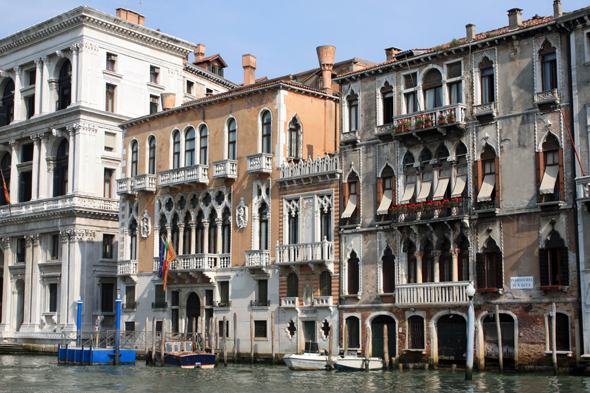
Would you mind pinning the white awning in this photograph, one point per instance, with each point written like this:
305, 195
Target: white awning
385, 202
485, 192
459, 186
441, 188
424, 191
350, 207
549, 179
408, 193
110, 140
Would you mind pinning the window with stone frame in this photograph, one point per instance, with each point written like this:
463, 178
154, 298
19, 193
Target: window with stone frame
353, 112
410, 250
454, 86
353, 325
554, 263
353, 275
260, 329
52, 300
107, 303
486, 69
325, 283
134, 158
64, 86
487, 179
107, 246
489, 269
410, 93
111, 62
385, 190
154, 74
60, 169
108, 183
54, 247
387, 104
292, 285
428, 263
203, 145
266, 136
189, 147
7, 108
232, 148
21, 250
410, 183
351, 198
416, 338
129, 297
160, 297
562, 332
549, 74
550, 176
133, 239
154, 104
433, 89
152, 155
293, 143
388, 271
110, 98
176, 150
223, 293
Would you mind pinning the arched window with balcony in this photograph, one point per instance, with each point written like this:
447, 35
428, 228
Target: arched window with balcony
8, 103
5, 166
266, 137
176, 150
189, 147
232, 138
294, 143
433, 89
486, 70
548, 58
60, 170
134, 158
385, 190
152, 155
409, 178
226, 231
293, 222
64, 86
425, 176
326, 224
133, 239
263, 236
203, 145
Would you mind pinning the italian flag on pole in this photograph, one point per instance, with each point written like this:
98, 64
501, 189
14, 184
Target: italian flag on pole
170, 255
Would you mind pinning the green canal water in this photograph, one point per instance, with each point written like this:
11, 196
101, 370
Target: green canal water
41, 373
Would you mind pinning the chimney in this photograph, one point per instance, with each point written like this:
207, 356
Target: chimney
131, 16
168, 101
470, 32
199, 53
391, 52
557, 9
326, 55
514, 18
249, 64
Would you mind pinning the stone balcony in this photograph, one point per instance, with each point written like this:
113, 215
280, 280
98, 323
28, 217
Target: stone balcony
289, 302
484, 112
60, 206
308, 171
257, 258
292, 255
125, 186
441, 293
195, 262
186, 175
583, 191
454, 211
125, 268
323, 301
545, 99
225, 169
132, 185
260, 163
426, 124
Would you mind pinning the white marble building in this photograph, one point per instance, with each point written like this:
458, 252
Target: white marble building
65, 86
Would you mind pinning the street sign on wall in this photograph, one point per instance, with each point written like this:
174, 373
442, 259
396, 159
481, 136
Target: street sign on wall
524, 282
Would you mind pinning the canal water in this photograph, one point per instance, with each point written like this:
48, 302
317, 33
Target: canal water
41, 373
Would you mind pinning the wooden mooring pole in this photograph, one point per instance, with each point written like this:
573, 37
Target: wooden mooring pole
345, 339
500, 346
211, 338
154, 339
330, 346
235, 338
162, 342
386, 347
272, 334
194, 333
367, 350
216, 333
224, 335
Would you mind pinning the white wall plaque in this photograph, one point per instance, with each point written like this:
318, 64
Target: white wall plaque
525, 282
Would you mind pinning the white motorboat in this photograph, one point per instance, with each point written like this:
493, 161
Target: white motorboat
311, 359
354, 362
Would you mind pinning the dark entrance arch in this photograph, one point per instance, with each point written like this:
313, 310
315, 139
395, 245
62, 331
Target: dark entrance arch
451, 331
377, 338
193, 309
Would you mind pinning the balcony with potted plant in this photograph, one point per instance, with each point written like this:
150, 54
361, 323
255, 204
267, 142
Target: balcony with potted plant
431, 211
447, 120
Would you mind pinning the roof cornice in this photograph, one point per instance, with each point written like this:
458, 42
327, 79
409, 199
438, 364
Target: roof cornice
196, 70
86, 16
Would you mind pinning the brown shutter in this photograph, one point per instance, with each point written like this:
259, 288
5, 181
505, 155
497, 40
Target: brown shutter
539, 168
379, 190
477, 173
497, 162
561, 182
480, 270
565, 269
345, 194
393, 198
357, 211
499, 270
544, 266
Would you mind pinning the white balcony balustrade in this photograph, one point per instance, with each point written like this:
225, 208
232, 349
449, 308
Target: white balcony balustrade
305, 252
195, 262
56, 205
126, 268
326, 166
432, 293
146, 183
260, 163
289, 302
185, 175
257, 258
323, 301
125, 186
225, 169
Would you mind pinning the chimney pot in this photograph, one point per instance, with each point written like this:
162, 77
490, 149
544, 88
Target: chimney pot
199, 52
249, 64
326, 54
470, 28
514, 18
557, 12
131, 16
391, 52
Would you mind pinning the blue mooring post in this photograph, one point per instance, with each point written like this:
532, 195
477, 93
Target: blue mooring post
118, 331
79, 324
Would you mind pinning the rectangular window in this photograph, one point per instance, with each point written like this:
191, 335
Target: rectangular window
489, 167
153, 104
433, 97
410, 178
411, 100
461, 169
54, 254
129, 297
109, 141
262, 293
52, 297
549, 71
388, 107
159, 326
426, 176
111, 60
209, 297
30, 104
154, 74
410, 80
455, 94
32, 77
416, 332
130, 326
487, 85
490, 270
107, 297
224, 294
160, 301
190, 85
27, 152
353, 110
552, 158
260, 329
107, 246
454, 70
110, 98
20, 250
208, 92
444, 172
108, 183
25, 187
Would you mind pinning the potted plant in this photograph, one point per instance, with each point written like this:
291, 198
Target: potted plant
456, 201
451, 116
420, 206
419, 122
412, 207
407, 125
427, 121
398, 126
446, 203
441, 118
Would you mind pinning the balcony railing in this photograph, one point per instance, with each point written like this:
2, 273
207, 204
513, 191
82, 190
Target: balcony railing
145, 183
483, 110
546, 97
430, 119
54, 205
260, 303
583, 185
433, 212
221, 304
486, 205
433, 292
549, 198
352, 220
289, 302
322, 301
159, 304
305, 252
325, 166
256, 258
186, 175
225, 169
126, 267
260, 163
125, 186
130, 306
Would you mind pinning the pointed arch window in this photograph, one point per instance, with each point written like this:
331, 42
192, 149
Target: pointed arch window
232, 151
353, 274
554, 263
134, 158
410, 179
460, 171
487, 178
463, 271
353, 112
266, 133
444, 174
548, 67
550, 171
385, 190
8, 103
326, 224
486, 69
410, 250
425, 176
428, 264
226, 231
294, 227
213, 232
186, 235
387, 104
189, 147
176, 150
152, 155
294, 147
445, 263
60, 171
133, 240
388, 271
64, 86
263, 217
204, 143
351, 198
489, 268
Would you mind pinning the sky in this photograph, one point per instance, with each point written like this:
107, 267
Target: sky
283, 34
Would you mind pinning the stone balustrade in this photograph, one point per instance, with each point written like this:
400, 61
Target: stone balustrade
54, 205
309, 167
257, 258
225, 169
289, 302
126, 267
305, 252
260, 163
431, 293
185, 175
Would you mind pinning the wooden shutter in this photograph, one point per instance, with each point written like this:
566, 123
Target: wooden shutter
564, 262
379, 190
480, 270
499, 270
497, 163
544, 266
561, 176
478, 174
345, 194
539, 164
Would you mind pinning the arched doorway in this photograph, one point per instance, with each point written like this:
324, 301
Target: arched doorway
377, 338
451, 331
490, 334
20, 303
193, 309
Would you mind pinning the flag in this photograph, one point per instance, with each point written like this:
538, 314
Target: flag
6, 193
170, 256
163, 252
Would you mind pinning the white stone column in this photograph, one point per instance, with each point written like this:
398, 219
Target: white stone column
36, 153
15, 159
78, 179
18, 100
180, 250
28, 277
38, 85
206, 237
7, 298
36, 290
455, 264
156, 241
45, 91
64, 281
219, 247
44, 176
193, 226
74, 89
71, 161
75, 269
418, 255
436, 260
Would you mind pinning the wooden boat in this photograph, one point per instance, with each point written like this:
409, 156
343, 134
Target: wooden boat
183, 353
311, 359
353, 362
